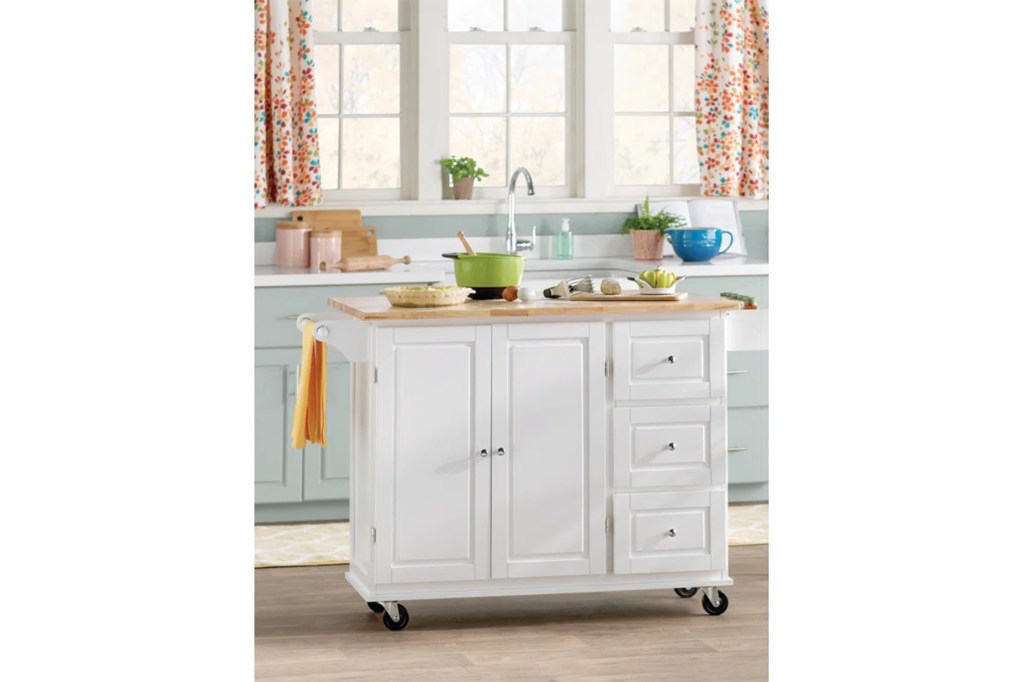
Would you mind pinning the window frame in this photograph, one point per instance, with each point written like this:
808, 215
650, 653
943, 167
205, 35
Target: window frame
404, 39
590, 114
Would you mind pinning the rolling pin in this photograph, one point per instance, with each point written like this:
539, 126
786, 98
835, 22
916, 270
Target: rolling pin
361, 263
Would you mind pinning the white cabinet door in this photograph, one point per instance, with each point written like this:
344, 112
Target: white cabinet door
547, 456
433, 420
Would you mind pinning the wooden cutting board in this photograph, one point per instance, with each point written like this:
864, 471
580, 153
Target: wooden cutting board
340, 219
356, 239
583, 296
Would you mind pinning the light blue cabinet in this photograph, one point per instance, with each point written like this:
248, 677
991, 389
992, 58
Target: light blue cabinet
747, 374
748, 394
278, 468
311, 483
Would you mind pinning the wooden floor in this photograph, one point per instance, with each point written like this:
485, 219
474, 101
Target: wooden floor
311, 625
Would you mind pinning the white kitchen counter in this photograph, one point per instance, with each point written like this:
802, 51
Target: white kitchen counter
439, 270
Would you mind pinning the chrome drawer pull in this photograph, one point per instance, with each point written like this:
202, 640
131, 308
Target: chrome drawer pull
671, 446
483, 453
737, 371
671, 359
501, 452
671, 532
737, 449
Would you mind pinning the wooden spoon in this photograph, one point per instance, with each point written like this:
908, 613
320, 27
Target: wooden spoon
469, 249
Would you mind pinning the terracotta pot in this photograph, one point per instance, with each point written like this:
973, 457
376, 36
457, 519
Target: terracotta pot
647, 244
463, 189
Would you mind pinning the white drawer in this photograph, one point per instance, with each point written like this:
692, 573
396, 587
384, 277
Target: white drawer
669, 446
668, 360
669, 532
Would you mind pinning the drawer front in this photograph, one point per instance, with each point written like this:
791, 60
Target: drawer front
747, 378
277, 308
754, 285
669, 446
668, 360
748, 444
669, 532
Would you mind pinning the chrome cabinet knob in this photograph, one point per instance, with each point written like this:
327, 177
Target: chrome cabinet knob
671, 446
671, 359
671, 532
501, 452
483, 453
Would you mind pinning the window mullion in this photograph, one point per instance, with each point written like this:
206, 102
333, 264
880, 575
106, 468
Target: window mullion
432, 109
597, 111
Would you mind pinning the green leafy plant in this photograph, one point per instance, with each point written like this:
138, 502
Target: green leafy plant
659, 221
460, 167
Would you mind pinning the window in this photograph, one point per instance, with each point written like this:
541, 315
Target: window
508, 94
358, 61
595, 98
653, 130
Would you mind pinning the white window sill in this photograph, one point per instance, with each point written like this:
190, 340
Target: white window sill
525, 205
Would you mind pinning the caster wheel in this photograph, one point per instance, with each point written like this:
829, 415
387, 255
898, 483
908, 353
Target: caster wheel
723, 604
375, 607
686, 592
403, 619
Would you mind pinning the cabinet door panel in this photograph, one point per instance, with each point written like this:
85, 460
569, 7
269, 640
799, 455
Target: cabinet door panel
663, 446
668, 360
667, 532
433, 406
747, 377
748, 444
548, 487
278, 467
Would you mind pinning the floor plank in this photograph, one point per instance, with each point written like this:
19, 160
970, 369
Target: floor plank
310, 625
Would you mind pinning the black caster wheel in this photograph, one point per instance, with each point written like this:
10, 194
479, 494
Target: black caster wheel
723, 604
403, 619
375, 607
686, 592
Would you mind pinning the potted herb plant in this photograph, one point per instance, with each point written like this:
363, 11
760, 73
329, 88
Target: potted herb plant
647, 231
464, 172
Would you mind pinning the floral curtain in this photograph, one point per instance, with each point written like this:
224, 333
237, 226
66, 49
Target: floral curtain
287, 149
732, 97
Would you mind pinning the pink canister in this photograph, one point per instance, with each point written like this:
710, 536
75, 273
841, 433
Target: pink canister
324, 249
292, 245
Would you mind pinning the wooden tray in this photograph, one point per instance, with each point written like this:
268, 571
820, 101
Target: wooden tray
356, 239
606, 298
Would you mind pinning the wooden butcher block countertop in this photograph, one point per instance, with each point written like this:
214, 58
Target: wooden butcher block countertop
378, 308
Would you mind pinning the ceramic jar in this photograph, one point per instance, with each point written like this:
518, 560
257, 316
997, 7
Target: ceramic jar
292, 245
324, 249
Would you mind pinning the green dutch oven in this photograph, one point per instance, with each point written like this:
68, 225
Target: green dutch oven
487, 273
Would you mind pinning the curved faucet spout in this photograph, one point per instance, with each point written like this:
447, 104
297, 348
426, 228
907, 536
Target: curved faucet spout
512, 244
529, 180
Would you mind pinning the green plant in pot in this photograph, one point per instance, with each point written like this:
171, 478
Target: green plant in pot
464, 172
647, 231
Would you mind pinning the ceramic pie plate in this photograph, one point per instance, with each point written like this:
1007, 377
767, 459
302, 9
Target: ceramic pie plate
426, 297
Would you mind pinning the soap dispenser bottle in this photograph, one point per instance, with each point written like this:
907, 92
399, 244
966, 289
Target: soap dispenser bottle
563, 247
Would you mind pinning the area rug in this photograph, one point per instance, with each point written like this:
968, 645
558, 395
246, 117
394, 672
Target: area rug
319, 544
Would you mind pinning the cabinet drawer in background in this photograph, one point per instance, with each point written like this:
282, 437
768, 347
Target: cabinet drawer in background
277, 308
747, 378
669, 446
748, 444
668, 532
668, 360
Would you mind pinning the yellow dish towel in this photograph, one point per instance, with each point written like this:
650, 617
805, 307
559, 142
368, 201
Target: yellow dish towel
311, 398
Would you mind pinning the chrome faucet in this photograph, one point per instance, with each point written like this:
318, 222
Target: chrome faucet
513, 245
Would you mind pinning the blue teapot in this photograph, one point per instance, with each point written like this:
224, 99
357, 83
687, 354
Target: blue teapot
698, 244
